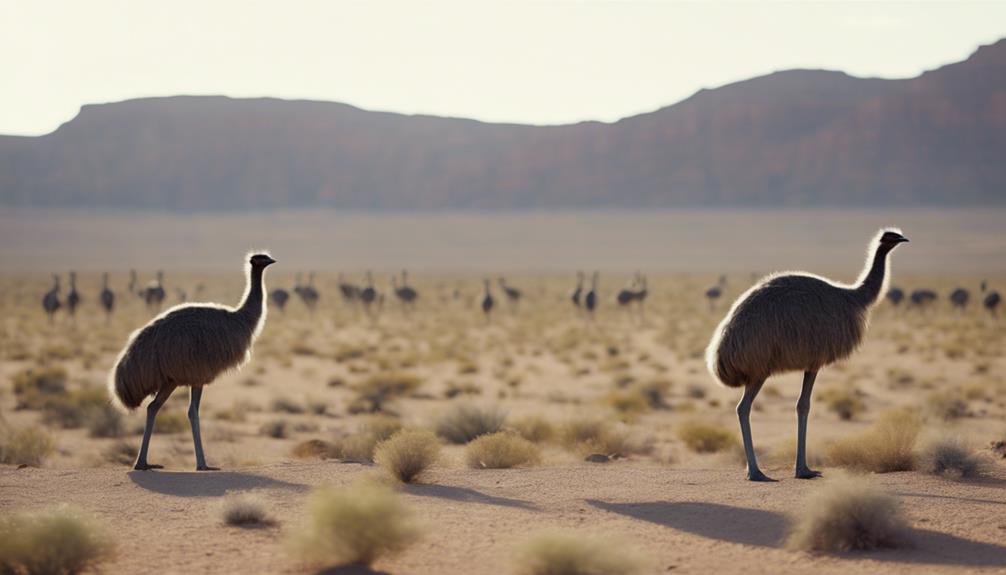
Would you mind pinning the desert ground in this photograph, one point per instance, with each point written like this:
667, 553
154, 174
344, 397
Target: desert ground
678, 501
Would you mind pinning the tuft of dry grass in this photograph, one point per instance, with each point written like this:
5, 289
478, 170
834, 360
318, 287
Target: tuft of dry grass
847, 514
377, 390
28, 446
408, 453
286, 405
359, 446
464, 422
32, 387
170, 422
947, 405
57, 541
845, 403
276, 429
566, 553
534, 428
244, 510
705, 437
886, 447
949, 456
314, 448
590, 436
501, 450
357, 524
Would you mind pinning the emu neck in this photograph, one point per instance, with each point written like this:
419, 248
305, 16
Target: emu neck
252, 304
871, 283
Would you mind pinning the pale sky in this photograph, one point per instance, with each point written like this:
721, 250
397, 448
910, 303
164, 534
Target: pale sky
542, 62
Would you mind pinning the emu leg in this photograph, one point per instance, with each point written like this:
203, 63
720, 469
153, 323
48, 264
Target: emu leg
744, 414
802, 410
195, 396
141, 459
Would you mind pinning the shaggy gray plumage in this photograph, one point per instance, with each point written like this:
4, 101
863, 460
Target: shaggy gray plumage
189, 345
487, 299
50, 301
991, 302
959, 298
795, 322
72, 296
280, 296
107, 297
154, 293
590, 300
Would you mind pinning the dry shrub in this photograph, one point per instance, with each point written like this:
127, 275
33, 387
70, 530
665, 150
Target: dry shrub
949, 456
947, 405
358, 524
244, 510
286, 405
70, 410
501, 450
574, 554
120, 452
629, 403
32, 387
844, 402
56, 541
847, 514
170, 422
655, 391
28, 446
276, 429
588, 436
407, 454
359, 446
377, 390
705, 437
887, 446
464, 422
314, 448
535, 428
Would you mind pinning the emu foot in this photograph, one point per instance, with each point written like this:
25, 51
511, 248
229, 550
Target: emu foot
206, 468
757, 475
144, 466
807, 473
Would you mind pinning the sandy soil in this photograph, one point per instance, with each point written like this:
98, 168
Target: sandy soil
687, 521
690, 512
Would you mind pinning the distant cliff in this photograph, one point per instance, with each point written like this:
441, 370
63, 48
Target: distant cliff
793, 138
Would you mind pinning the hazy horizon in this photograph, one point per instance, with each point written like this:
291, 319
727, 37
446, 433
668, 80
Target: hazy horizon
528, 62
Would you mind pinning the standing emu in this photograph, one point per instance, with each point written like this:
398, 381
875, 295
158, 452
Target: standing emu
513, 294
714, 293
895, 295
72, 297
590, 300
107, 297
188, 345
991, 302
794, 322
50, 301
577, 292
280, 296
405, 293
154, 294
959, 298
487, 300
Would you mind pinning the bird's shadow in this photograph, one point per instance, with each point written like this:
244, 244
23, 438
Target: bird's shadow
354, 569
768, 529
466, 495
205, 483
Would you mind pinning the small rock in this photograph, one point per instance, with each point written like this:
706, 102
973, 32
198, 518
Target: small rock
597, 458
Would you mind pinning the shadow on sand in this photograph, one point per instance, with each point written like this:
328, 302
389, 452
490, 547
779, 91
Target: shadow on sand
768, 529
355, 569
205, 483
466, 495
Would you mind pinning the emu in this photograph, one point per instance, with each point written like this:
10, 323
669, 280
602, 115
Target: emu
991, 302
487, 300
895, 295
405, 293
50, 301
280, 296
349, 291
590, 300
133, 283
154, 294
308, 294
73, 297
577, 292
368, 295
795, 322
188, 345
922, 297
107, 297
714, 293
513, 294
959, 298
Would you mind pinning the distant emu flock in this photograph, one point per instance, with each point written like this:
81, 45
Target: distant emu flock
784, 322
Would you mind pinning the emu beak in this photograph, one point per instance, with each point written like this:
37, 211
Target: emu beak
902, 239
272, 261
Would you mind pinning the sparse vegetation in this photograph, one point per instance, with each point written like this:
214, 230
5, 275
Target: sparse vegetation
844, 402
169, 421
534, 428
950, 456
275, 428
705, 437
244, 510
887, 446
501, 450
28, 446
33, 387
569, 553
376, 391
847, 514
357, 524
56, 541
464, 422
407, 453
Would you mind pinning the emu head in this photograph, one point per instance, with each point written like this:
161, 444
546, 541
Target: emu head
261, 260
891, 238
